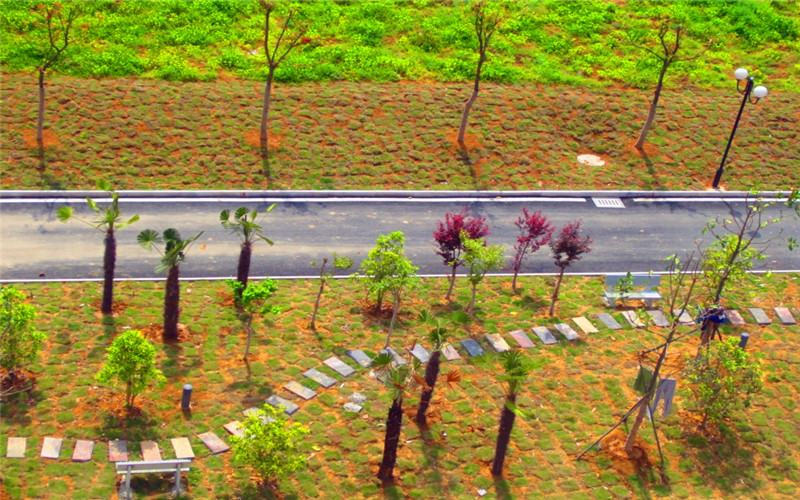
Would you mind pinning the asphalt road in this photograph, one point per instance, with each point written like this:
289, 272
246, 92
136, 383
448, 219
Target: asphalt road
35, 245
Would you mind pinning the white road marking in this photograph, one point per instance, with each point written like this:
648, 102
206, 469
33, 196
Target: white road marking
298, 200
709, 200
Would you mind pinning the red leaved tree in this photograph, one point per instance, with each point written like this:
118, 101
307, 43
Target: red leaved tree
449, 244
535, 231
567, 248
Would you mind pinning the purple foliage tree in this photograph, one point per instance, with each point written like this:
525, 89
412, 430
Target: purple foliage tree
567, 248
535, 231
449, 243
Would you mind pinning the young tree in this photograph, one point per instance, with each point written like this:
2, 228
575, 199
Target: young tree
535, 231
341, 263
479, 259
255, 300
567, 248
131, 361
290, 35
244, 225
397, 379
486, 18
20, 342
448, 239
174, 253
109, 220
437, 337
268, 444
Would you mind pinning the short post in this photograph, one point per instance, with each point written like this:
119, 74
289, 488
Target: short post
186, 398
176, 488
743, 338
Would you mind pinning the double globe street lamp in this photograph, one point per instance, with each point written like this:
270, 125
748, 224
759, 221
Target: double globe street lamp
750, 94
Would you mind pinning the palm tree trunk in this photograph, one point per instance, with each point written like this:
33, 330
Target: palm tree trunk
431, 374
394, 423
465, 117
507, 417
651, 115
265, 109
172, 298
452, 283
243, 270
109, 262
555, 291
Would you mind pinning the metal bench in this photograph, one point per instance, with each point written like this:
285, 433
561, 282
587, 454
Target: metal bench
642, 288
175, 467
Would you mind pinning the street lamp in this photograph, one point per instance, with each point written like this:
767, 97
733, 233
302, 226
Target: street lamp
757, 93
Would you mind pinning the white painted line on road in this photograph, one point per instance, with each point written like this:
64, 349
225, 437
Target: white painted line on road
298, 200
709, 200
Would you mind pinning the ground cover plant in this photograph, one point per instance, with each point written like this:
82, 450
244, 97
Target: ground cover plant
581, 389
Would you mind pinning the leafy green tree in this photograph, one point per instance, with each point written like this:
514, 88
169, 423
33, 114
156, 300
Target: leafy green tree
174, 253
437, 337
131, 361
268, 444
243, 224
339, 263
108, 221
398, 379
479, 259
723, 378
255, 301
20, 342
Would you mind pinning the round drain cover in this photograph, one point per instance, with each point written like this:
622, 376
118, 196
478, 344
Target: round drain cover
591, 160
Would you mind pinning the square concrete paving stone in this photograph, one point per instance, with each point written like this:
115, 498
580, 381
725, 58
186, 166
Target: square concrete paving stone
150, 451
609, 321
339, 366
684, 317
760, 316
472, 347
51, 447
213, 442
289, 408
545, 335
633, 319
16, 447
360, 357
397, 360
567, 331
585, 325
734, 317
234, 428
497, 342
450, 352
83, 451
522, 339
420, 353
785, 316
659, 318
319, 377
298, 389
182, 447
117, 450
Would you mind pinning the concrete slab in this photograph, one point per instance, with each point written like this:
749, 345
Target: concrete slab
16, 446
734, 317
339, 366
472, 347
150, 451
545, 335
522, 339
420, 353
497, 342
684, 317
450, 353
360, 357
182, 447
659, 318
397, 360
760, 316
609, 321
298, 389
213, 442
319, 377
51, 447
585, 325
83, 451
289, 408
567, 331
633, 319
117, 450
785, 316
352, 407
234, 428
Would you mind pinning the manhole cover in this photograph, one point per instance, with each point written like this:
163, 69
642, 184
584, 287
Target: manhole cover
608, 203
591, 160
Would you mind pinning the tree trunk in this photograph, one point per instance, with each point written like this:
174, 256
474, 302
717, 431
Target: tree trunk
109, 263
452, 284
243, 270
129, 394
555, 291
465, 117
40, 118
395, 310
514, 281
265, 109
431, 374
313, 325
394, 422
471, 307
249, 327
507, 417
172, 304
651, 115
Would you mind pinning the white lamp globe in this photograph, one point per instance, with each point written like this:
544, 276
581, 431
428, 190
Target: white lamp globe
740, 74
760, 91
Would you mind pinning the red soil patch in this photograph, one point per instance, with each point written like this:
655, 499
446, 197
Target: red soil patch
156, 333
635, 462
253, 138
49, 139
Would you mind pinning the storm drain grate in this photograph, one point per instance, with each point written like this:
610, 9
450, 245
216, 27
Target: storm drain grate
608, 203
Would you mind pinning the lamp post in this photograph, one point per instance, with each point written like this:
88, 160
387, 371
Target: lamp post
757, 93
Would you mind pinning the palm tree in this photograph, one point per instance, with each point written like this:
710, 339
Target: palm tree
244, 225
109, 220
437, 337
397, 379
174, 253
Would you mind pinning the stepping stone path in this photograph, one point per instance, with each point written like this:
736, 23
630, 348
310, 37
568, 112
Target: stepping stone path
51, 447
420, 353
497, 342
150, 452
356, 402
760, 316
16, 447
585, 325
298, 389
734, 317
609, 321
339, 366
213, 442
544, 334
320, 378
117, 451
522, 339
234, 428
472, 347
83, 451
450, 352
360, 357
785, 316
567, 331
182, 447
633, 318
659, 318
684, 317
397, 360
289, 408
